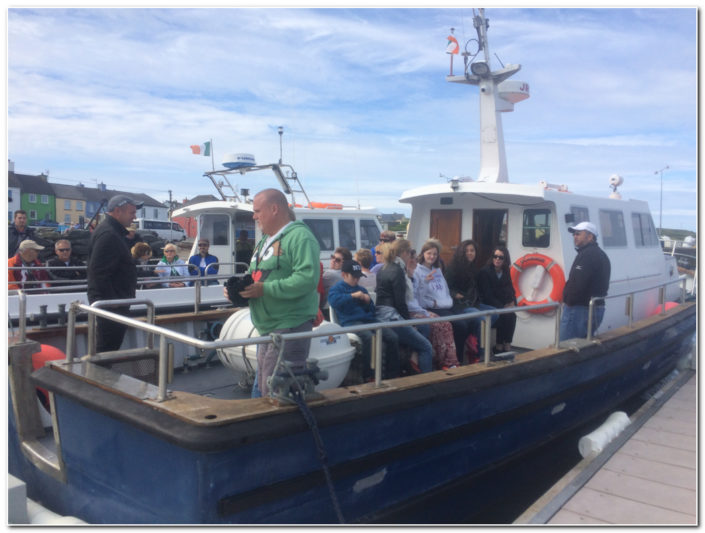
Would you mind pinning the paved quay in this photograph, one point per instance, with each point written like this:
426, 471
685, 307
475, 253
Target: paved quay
647, 476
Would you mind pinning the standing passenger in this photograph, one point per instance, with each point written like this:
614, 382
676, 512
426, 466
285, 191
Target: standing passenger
589, 276
112, 274
283, 297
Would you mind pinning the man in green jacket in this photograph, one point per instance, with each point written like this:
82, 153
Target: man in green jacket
285, 269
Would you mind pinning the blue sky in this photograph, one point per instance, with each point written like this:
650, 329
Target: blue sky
118, 95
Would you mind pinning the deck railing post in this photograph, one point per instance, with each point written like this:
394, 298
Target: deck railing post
591, 308
71, 333
163, 360
91, 335
23, 315
630, 309
378, 357
487, 336
662, 299
197, 300
557, 325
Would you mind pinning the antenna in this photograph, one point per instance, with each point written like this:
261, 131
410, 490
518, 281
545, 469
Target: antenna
280, 129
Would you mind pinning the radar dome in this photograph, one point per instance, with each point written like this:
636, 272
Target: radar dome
234, 161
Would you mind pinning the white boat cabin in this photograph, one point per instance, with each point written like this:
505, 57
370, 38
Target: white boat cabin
534, 219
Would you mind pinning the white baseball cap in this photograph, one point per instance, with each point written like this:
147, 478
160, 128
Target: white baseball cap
584, 226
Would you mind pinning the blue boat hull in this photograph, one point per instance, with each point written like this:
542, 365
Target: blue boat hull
127, 462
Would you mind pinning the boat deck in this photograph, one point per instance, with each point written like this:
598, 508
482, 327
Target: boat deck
647, 476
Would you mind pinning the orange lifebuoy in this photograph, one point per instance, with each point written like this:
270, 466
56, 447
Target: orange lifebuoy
553, 269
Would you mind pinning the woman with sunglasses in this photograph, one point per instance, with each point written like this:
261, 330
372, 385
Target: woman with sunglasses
170, 266
496, 289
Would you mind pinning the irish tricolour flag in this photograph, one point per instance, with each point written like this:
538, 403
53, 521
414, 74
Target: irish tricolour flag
201, 149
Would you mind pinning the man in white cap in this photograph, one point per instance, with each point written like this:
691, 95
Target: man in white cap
112, 274
589, 277
20, 274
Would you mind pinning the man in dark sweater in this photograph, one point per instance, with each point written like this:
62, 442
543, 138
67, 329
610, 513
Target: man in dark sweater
112, 274
18, 232
589, 277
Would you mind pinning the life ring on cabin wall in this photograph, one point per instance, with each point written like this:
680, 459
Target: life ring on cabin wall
554, 270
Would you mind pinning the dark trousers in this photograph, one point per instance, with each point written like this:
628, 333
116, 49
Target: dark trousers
109, 334
505, 328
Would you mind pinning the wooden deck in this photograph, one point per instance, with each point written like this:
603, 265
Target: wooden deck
651, 479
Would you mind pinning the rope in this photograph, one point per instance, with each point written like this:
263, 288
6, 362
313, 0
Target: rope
311, 421
299, 397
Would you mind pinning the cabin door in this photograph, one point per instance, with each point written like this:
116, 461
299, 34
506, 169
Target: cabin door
489, 228
445, 226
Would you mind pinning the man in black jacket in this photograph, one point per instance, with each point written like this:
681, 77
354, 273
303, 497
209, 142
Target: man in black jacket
589, 276
112, 274
18, 232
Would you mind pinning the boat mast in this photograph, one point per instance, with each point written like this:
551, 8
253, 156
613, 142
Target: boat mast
493, 100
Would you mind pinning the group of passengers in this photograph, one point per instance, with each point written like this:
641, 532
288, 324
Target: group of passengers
394, 283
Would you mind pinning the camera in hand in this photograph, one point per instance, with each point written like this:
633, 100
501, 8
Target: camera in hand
236, 284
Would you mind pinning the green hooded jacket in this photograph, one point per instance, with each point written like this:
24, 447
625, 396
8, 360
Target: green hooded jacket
289, 269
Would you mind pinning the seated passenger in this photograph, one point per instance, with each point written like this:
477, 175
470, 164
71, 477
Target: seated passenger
170, 266
433, 294
496, 289
141, 253
63, 258
25, 277
198, 263
461, 276
353, 306
439, 333
332, 275
364, 257
391, 305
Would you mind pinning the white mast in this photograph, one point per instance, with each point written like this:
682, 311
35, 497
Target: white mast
496, 96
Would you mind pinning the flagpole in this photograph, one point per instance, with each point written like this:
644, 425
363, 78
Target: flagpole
212, 156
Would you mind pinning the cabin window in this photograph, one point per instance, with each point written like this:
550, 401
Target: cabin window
215, 229
323, 230
346, 234
536, 231
644, 230
369, 233
612, 228
580, 214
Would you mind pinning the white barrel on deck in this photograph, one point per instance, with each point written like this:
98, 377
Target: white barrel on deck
592, 444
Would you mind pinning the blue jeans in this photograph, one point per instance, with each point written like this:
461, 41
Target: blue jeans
409, 336
475, 322
574, 320
390, 351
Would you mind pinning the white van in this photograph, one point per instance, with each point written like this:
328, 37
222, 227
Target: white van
166, 230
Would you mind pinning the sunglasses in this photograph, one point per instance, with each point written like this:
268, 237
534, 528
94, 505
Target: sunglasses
169, 251
336, 259
498, 257
378, 253
63, 249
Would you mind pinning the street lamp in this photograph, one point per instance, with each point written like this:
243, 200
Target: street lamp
660, 208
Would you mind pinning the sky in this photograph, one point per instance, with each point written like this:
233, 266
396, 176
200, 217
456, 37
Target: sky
117, 95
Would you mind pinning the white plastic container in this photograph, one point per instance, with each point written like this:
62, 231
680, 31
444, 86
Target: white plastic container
333, 352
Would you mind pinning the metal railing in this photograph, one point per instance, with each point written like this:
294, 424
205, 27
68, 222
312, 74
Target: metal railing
279, 339
96, 310
629, 311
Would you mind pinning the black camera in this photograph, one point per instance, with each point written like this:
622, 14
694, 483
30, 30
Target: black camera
236, 284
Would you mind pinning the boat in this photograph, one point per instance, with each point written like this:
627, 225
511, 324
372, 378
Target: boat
129, 438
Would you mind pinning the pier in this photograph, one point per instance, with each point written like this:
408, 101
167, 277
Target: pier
646, 476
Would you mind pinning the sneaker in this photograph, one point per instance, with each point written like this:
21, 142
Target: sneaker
414, 366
